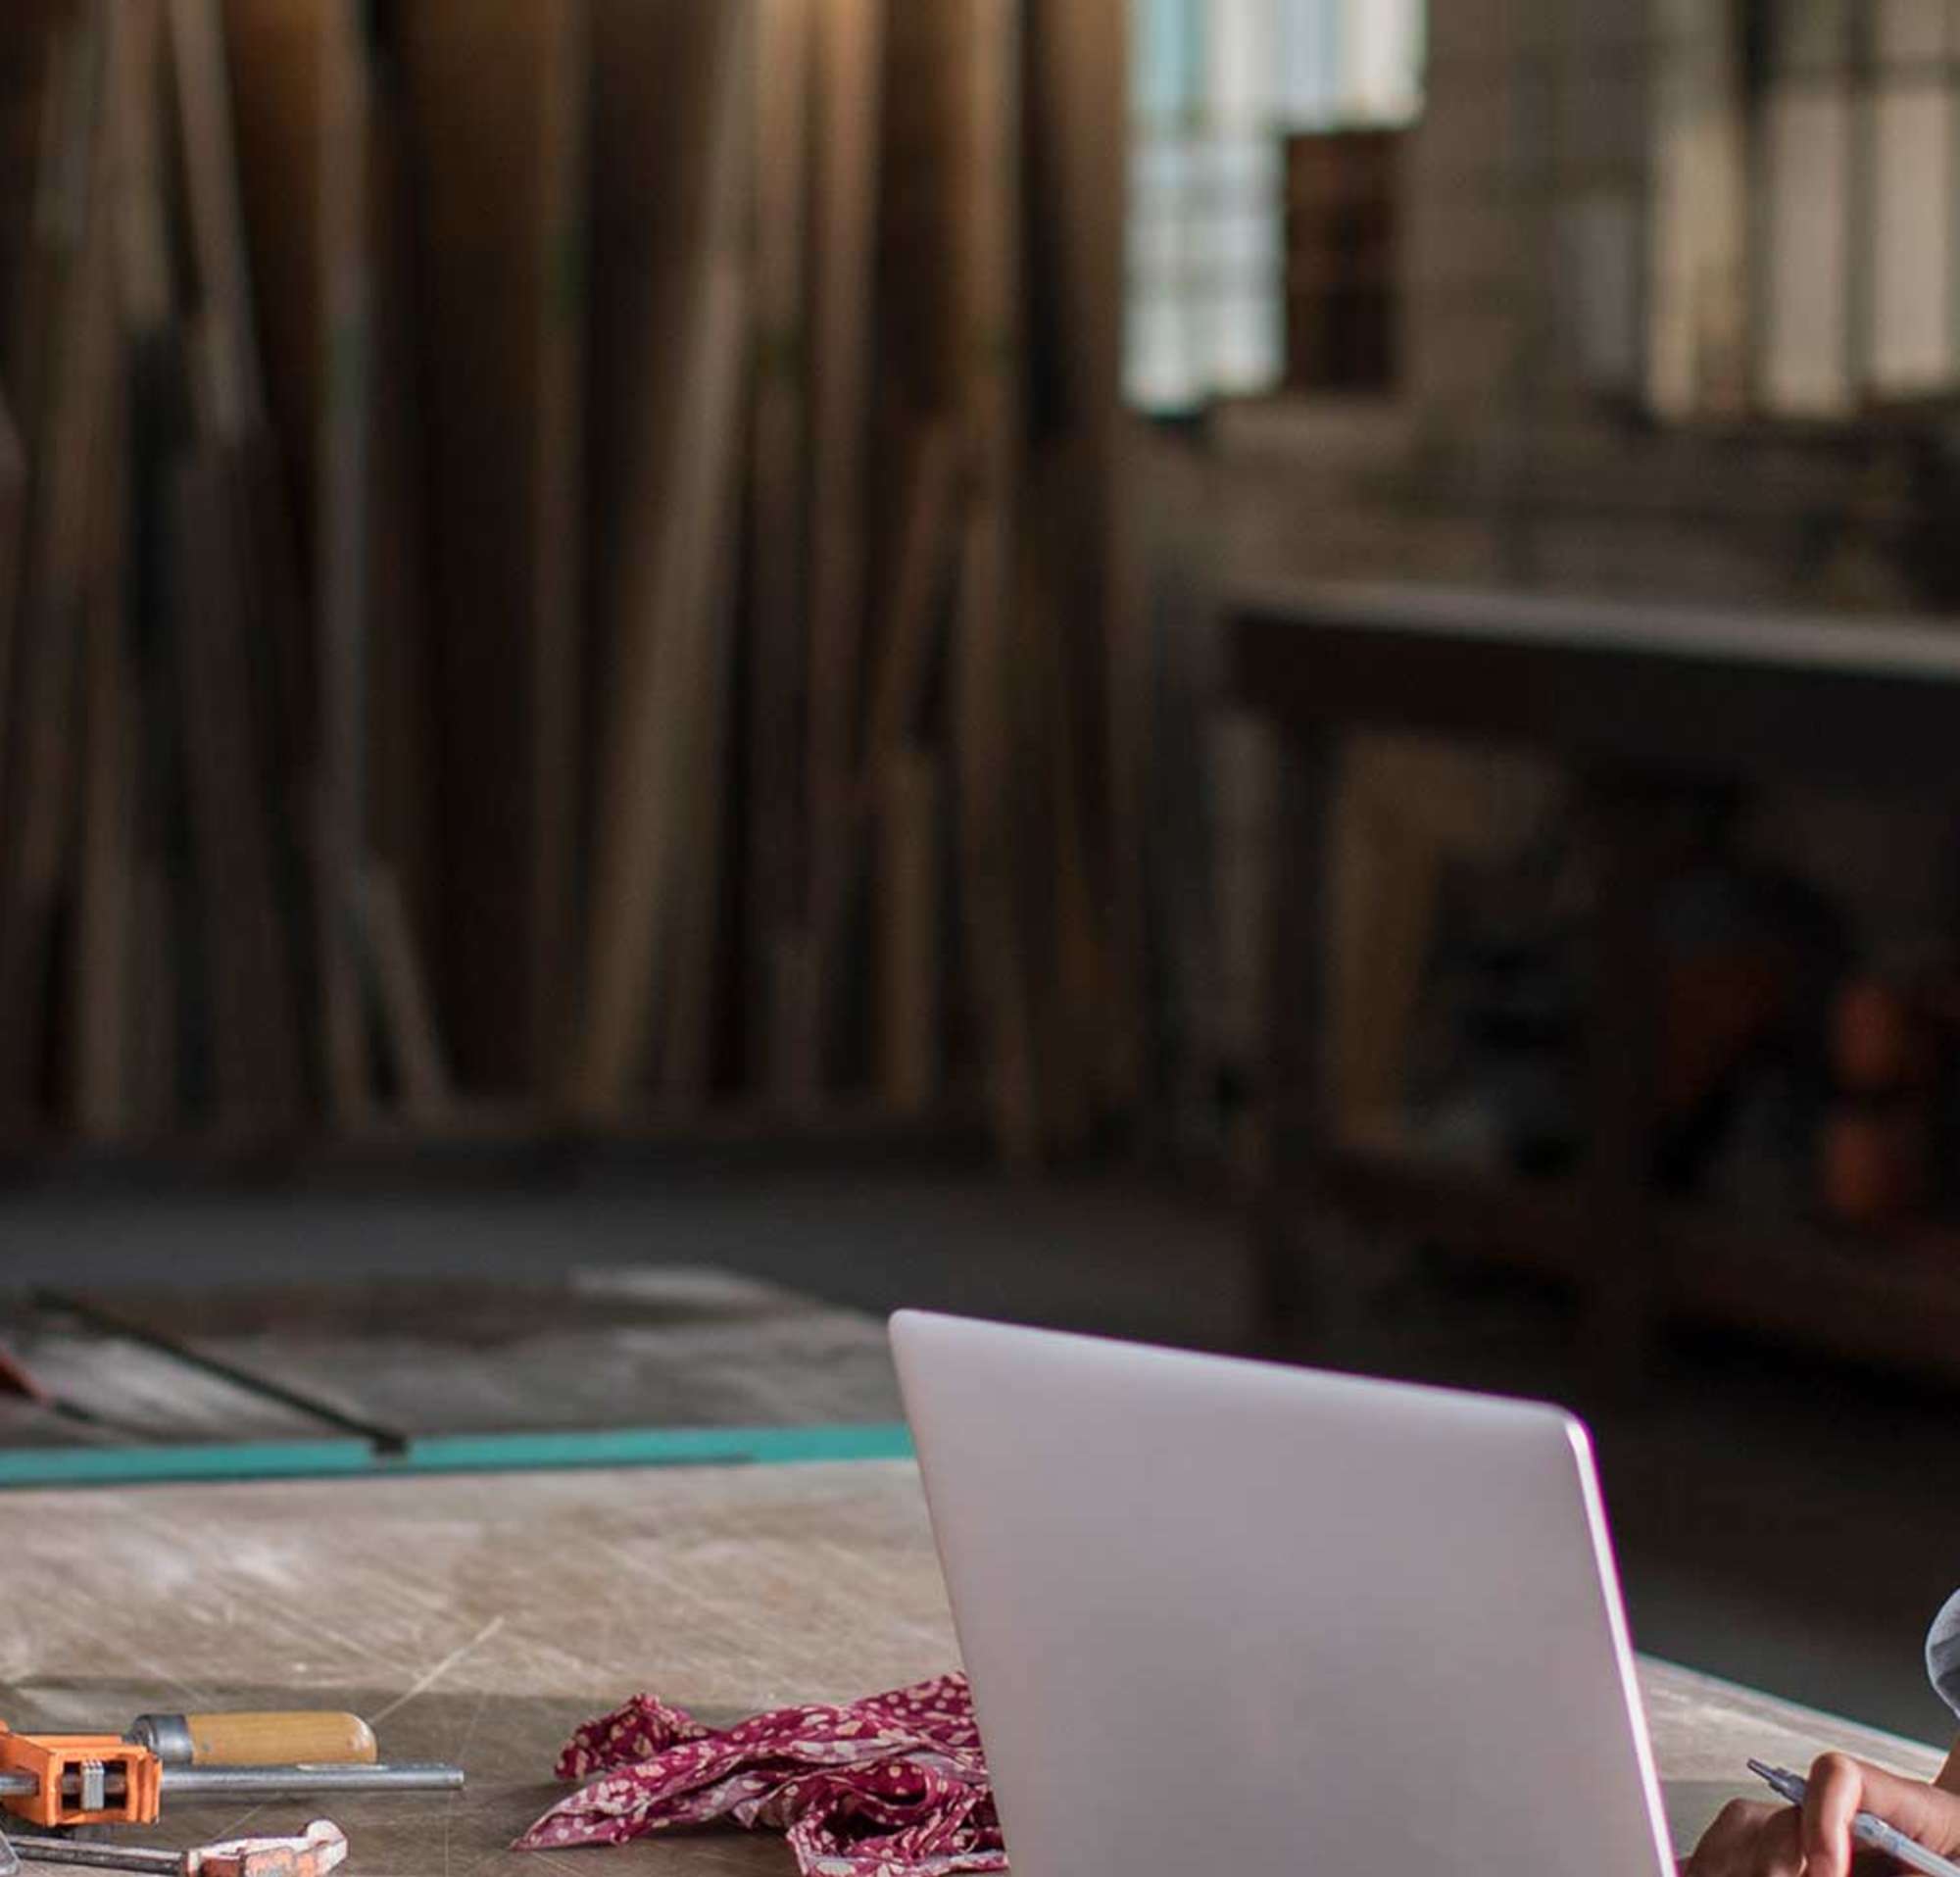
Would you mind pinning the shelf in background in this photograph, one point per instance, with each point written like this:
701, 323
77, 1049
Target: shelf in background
1534, 1224
1889, 1300
475, 1140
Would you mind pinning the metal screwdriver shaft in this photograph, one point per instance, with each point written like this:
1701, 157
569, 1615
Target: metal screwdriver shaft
298, 1782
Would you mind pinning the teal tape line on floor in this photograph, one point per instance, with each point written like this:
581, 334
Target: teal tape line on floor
152, 1465
659, 1446
455, 1453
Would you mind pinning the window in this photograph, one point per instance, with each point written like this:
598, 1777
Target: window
1216, 85
1806, 162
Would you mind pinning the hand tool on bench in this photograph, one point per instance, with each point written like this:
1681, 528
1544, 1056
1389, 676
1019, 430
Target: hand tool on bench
63, 1780
323, 1848
96, 1779
299, 1738
83, 1779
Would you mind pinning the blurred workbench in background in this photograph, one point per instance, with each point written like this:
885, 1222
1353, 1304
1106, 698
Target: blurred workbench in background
1647, 703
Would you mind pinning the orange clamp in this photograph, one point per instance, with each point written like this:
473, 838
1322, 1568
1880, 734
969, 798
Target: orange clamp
81, 1779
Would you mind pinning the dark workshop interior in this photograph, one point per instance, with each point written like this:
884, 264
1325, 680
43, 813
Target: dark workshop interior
1280, 676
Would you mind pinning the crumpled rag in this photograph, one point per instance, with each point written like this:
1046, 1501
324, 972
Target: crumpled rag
893, 1785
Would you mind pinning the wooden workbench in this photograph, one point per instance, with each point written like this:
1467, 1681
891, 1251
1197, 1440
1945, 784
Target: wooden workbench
1645, 703
479, 1618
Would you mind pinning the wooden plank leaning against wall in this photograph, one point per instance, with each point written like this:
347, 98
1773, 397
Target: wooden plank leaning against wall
1079, 112
288, 188
72, 328
497, 99
673, 342
850, 59
779, 541
818, 302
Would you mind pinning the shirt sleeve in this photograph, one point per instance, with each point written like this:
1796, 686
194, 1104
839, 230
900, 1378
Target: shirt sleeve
1942, 1654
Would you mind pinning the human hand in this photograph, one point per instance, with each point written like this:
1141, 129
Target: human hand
1750, 1840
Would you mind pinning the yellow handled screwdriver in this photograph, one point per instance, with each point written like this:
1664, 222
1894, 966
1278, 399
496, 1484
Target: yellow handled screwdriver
293, 1739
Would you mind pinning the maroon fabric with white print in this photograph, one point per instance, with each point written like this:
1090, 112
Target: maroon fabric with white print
895, 1786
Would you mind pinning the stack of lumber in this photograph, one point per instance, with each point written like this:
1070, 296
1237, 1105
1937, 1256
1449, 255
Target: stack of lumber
559, 558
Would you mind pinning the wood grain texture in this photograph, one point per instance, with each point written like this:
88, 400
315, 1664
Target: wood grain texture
116, 1391
689, 1019
302, 1737
535, 1602
27, 49
1684, 690
106, 942
1077, 113
249, 987
399, 772
422, 1087
236, 589
990, 352
652, 1348
850, 64
668, 462
909, 814
77, 256
302, 77
526, 1611
928, 538
779, 535
343, 292
273, 78
850, 40
495, 91
231, 383
227, 363
13, 508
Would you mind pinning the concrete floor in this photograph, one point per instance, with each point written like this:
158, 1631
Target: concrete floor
1787, 1526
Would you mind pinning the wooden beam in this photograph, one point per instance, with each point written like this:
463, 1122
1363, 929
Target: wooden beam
928, 538
850, 71
299, 76
990, 347
689, 1011
422, 1076
911, 933
13, 515
1078, 112
78, 266
779, 535
677, 448
496, 93
107, 936
236, 552
249, 990
231, 384
400, 705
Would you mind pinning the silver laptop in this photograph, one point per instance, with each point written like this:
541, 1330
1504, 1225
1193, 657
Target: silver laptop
1222, 1616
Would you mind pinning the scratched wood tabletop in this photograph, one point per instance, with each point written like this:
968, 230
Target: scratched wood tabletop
622, 1347
479, 1618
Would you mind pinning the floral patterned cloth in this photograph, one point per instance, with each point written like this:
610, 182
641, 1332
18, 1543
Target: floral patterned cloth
895, 1786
